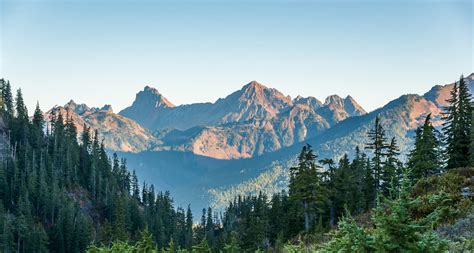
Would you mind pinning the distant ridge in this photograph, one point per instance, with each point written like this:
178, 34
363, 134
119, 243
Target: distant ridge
251, 121
246, 141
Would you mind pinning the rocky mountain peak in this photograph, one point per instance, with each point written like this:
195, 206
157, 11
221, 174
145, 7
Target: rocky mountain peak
151, 97
352, 107
77, 108
312, 102
261, 94
107, 108
151, 90
253, 89
254, 85
334, 100
440, 93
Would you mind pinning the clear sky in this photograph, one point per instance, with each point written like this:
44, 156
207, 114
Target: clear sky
99, 52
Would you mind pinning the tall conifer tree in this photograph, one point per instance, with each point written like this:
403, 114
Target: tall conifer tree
377, 143
391, 175
306, 186
425, 159
457, 128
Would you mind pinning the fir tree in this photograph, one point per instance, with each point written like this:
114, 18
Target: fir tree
465, 122
189, 229
2, 88
457, 127
392, 168
425, 159
8, 101
378, 146
306, 186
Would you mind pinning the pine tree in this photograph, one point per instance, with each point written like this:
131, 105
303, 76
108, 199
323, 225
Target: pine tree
396, 231
135, 187
425, 159
391, 174
2, 87
20, 129
189, 229
50, 183
202, 247
146, 243
457, 126
358, 172
232, 246
306, 186
378, 146
8, 101
330, 186
38, 119
119, 219
465, 122
344, 186
38, 123
472, 134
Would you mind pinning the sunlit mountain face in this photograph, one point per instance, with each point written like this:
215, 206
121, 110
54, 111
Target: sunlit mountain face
243, 143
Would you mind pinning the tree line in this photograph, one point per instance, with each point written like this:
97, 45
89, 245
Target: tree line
322, 192
61, 193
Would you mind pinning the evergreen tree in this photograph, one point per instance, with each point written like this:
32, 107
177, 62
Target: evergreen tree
57, 194
232, 246
472, 134
392, 168
378, 146
465, 122
189, 229
425, 159
306, 186
202, 247
458, 117
2, 87
330, 186
344, 186
7, 98
21, 122
358, 167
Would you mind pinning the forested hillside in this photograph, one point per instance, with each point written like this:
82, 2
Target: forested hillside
372, 203
60, 192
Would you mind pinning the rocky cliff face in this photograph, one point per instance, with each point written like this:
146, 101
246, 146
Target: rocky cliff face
252, 121
253, 101
249, 122
247, 139
400, 118
119, 133
201, 143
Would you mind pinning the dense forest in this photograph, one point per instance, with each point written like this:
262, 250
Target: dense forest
61, 192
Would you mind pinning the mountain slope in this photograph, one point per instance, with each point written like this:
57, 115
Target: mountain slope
253, 102
400, 118
218, 181
119, 133
249, 122
247, 139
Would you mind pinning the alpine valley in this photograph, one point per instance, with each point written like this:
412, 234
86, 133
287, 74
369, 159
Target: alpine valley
209, 153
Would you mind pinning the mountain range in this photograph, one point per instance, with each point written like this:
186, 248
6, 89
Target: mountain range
207, 153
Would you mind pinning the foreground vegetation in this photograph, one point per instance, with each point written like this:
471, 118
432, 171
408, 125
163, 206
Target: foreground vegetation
59, 194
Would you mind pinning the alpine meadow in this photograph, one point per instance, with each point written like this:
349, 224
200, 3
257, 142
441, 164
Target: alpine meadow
281, 164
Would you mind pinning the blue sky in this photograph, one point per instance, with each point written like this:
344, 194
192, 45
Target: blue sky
99, 52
